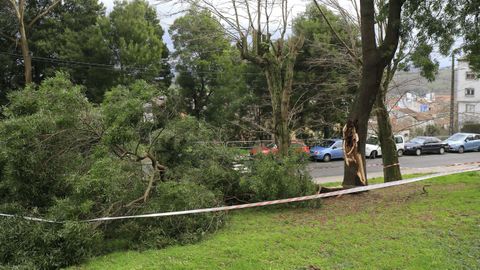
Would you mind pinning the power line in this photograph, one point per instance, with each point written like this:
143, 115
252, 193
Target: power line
106, 66
72, 61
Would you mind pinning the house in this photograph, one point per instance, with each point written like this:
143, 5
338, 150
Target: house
407, 119
412, 111
467, 94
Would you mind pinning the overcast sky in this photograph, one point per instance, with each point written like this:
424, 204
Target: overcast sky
167, 14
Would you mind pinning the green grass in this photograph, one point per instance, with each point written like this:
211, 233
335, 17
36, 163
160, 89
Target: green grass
393, 228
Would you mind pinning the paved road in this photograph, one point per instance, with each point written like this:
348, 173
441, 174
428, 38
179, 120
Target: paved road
374, 166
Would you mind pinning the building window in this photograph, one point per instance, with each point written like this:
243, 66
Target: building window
469, 92
470, 108
470, 76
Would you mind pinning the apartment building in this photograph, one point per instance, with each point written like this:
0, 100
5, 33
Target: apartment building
467, 94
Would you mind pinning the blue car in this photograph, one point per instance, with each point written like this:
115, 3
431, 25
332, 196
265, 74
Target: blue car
327, 150
461, 142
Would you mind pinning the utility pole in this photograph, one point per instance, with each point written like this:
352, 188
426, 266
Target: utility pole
452, 96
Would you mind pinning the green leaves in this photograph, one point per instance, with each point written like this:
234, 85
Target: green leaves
207, 66
273, 178
124, 111
44, 140
422, 58
135, 36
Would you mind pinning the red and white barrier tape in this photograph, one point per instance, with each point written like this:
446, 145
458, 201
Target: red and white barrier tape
31, 218
251, 205
465, 163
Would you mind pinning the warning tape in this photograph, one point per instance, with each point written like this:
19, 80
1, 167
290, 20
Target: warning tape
31, 218
343, 164
265, 203
465, 163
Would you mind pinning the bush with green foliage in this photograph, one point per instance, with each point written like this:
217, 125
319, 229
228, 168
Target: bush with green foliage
66, 159
277, 178
159, 232
431, 130
105, 189
45, 140
33, 245
187, 146
471, 127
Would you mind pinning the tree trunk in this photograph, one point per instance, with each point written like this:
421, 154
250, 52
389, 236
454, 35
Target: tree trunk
374, 61
280, 97
326, 132
391, 166
27, 60
355, 173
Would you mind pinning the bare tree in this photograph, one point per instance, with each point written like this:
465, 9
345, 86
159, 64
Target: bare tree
262, 38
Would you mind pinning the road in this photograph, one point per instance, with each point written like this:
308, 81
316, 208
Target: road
333, 171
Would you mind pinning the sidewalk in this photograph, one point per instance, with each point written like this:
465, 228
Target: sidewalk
454, 167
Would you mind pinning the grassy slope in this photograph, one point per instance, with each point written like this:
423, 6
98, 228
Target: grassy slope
394, 228
413, 82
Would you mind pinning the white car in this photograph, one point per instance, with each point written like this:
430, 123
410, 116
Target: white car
373, 149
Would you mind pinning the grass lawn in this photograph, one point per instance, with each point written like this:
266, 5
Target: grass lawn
394, 228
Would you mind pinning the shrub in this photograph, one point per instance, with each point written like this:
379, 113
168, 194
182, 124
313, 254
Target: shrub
32, 245
161, 231
65, 159
431, 130
277, 178
123, 112
186, 146
44, 141
471, 127
107, 186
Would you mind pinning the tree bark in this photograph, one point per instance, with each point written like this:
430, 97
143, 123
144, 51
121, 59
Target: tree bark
275, 58
279, 94
375, 59
27, 60
279, 71
391, 166
359, 117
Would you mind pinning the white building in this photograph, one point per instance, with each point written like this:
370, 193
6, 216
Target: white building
467, 94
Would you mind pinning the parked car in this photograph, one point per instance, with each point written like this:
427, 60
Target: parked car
373, 149
272, 148
299, 147
400, 143
461, 142
327, 150
420, 145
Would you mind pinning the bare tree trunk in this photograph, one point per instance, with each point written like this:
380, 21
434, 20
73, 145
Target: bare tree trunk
280, 95
375, 59
391, 166
27, 60
279, 74
359, 116
284, 128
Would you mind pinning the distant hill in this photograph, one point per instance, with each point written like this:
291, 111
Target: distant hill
413, 82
